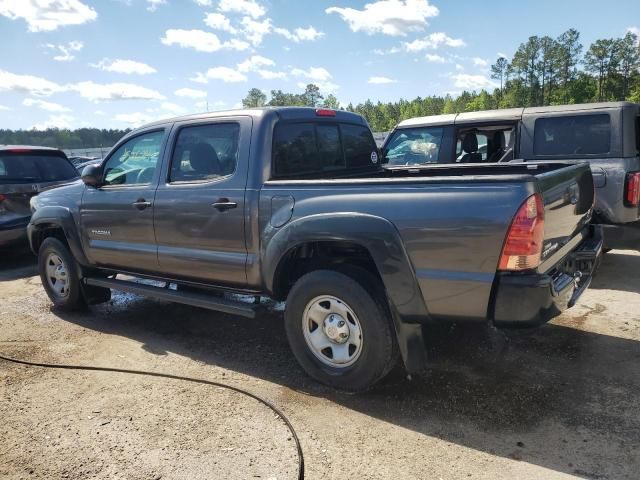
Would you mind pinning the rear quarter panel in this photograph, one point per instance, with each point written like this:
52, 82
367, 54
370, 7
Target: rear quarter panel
452, 232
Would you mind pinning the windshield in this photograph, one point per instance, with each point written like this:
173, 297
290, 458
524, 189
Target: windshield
414, 146
25, 167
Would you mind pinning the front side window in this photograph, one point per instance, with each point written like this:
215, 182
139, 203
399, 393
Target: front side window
414, 146
576, 135
135, 161
205, 152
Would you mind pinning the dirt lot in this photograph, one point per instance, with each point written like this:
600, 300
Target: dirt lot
562, 401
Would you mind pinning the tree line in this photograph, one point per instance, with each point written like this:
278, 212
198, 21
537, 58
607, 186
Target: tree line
543, 71
63, 138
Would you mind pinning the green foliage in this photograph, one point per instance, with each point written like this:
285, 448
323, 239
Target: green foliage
63, 138
255, 98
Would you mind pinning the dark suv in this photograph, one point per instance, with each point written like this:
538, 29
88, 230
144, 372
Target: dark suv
25, 171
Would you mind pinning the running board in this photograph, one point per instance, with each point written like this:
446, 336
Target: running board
188, 298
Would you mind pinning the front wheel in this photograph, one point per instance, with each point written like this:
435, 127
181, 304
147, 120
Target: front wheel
339, 329
59, 275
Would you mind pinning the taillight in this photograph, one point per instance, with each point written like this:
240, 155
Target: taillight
632, 191
2, 199
523, 245
325, 112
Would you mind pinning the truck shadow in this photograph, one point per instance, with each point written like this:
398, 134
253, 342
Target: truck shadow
556, 397
17, 263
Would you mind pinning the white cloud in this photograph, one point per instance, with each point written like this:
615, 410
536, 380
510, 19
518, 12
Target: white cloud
255, 62
472, 82
152, 5
61, 121
190, 93
226, 74
480, 62
390, 17
246, 7
124, 66
47, 15
434, 58
459, 67
390, 51
271, 75
218, 21
134, 119
100, 112
200, 40
4, 108
380, 80
256, 30
317, 75
433, 41
197, 39
66, 54
29, 84
48, 106
97, 92
300, 34
204, 3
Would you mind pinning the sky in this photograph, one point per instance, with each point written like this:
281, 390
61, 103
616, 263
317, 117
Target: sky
123, 63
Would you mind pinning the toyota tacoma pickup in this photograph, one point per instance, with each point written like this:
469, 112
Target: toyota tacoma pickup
293, 204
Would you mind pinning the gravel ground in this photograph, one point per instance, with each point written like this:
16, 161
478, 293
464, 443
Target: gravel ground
560, 401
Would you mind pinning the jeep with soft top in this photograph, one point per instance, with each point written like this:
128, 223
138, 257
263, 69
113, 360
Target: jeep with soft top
293, 204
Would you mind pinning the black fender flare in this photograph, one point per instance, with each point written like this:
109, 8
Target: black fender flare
383, 242
57, 217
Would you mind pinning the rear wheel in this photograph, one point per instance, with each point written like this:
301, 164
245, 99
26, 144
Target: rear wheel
59, 274
339, 329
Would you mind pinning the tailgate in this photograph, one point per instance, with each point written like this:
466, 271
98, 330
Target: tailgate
568, 195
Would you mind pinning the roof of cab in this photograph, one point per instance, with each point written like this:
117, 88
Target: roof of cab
508, 114
285, 113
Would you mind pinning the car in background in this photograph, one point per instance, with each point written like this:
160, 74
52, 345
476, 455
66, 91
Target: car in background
81, 161
24, 172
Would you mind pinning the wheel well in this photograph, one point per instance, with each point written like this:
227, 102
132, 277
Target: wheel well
312, 256
47, 231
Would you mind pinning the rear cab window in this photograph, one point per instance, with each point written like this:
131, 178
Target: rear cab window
34, 166
572, 135
322, 150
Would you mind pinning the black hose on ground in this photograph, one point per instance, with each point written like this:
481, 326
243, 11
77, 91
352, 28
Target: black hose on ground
90, 368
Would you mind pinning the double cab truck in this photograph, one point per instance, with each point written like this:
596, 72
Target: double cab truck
604, 135
293, 204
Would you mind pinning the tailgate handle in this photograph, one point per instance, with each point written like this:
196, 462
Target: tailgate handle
223, 204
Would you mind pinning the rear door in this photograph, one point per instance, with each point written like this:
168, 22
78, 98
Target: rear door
117, 218
200, 205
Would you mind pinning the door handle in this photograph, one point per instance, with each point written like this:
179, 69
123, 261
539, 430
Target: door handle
141, 204
224, 204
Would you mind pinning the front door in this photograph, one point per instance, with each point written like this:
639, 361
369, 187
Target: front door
117, 218
200, 206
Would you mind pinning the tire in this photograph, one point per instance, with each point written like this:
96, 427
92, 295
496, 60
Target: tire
59, 275
325, 310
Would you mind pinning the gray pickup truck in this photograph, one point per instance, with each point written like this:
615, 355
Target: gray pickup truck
605, 135
293, 204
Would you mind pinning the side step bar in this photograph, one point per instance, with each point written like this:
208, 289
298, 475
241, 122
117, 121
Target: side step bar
188, 298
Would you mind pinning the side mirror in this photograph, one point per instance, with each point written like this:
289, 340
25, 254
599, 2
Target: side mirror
92, 175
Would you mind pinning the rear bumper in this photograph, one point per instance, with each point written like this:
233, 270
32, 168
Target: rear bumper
624, 236
532, 299
13, 234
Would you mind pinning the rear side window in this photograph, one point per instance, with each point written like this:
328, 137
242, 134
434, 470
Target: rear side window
34, 167
205, 152
577, 135
320, 149
414, 146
